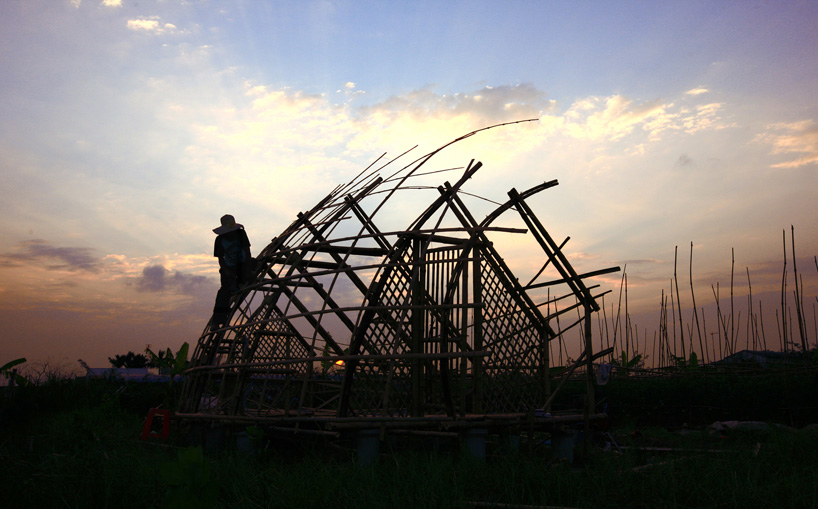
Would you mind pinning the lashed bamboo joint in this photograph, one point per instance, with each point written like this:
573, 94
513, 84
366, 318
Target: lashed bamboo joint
345, 325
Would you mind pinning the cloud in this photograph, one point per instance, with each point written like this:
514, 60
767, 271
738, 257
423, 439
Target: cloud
697, 91
793, 138
615, 117
54, 257
156, 278
112, 3
684, 160
150, 25
493, 104
430, 119
272, 139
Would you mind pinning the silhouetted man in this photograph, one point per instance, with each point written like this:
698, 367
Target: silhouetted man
232, 247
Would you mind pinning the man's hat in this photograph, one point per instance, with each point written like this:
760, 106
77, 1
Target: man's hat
228, 225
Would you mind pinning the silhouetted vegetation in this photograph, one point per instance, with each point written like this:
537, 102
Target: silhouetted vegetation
74, 443
130, 360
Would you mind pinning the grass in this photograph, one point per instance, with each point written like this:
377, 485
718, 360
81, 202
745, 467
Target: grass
85, 452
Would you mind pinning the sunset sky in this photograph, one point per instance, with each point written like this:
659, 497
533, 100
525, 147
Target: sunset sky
127, 128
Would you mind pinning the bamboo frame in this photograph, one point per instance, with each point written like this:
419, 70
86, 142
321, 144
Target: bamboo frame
417, 326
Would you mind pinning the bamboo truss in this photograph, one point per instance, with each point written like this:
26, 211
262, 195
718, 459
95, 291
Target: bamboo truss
344, 324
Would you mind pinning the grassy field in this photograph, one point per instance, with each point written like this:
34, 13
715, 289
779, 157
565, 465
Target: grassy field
75, 444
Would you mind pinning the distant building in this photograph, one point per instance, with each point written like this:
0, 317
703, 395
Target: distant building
126, 374
761, 358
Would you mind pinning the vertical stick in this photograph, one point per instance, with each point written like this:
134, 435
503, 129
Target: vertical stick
732, 309
605, 320
695, 313
815, 323
750, 321
706, 353
559, 333
418, 320
619, 306
477, 334
791, 341
673, 319
798, 296
627, 320
679, 302
719, 318
661, 327
589, 381
784, 293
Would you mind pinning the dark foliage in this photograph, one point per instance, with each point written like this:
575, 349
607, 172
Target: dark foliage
130, 360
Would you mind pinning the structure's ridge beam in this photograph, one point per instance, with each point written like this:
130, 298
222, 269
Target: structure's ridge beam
395, 233
347, 250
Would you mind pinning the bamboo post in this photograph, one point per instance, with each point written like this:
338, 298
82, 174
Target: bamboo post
732, 311
418, 321
679, 302
695, 312
750, 323
477, 363
590, 404
784, 295
798, 298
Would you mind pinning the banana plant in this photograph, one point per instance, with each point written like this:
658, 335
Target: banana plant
12, 374
171, 364
168, 362
627, 362
691, 363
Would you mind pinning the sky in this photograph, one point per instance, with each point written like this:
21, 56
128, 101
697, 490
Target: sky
127, 128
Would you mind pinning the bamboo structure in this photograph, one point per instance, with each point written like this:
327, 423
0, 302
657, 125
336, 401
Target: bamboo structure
344, 325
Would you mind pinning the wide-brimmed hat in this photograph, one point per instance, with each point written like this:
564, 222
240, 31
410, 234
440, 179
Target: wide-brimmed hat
228, 225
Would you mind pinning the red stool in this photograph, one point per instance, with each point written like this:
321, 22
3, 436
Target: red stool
146, 429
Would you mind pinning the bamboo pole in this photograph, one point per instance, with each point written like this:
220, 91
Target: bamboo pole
590, 404
750, 329
679, 302
706, 353
627, 320
673, 319
695, 312
798, 296
661, 327
605, 320
784, 294
732, 309
719, 318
